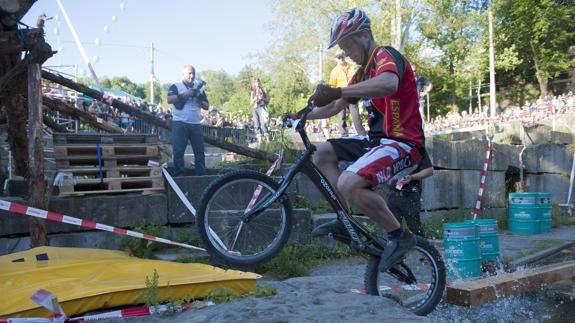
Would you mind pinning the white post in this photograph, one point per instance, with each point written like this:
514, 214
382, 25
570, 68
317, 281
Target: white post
152, 72
492, 99
397, 40
79, 44
320, 71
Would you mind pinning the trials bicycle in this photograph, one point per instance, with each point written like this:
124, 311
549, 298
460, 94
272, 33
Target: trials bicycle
245, 218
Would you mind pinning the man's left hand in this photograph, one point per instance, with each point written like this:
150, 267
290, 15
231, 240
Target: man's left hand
324, 95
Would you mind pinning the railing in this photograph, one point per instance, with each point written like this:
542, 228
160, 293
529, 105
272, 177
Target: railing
133, 125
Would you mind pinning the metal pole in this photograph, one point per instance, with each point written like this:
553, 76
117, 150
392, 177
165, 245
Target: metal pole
320, 73
427, 106
79, 44
470, 99
492, 99
398, 24
152, 72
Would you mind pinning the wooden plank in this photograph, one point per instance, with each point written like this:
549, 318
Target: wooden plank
110, 172
106, 138
65, 151
144, 191
478, 292
110, 185
69, 110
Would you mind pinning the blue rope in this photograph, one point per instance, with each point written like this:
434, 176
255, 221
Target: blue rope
21, 34
100, 163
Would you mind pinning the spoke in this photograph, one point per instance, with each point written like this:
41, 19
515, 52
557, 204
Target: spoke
237, 235
217, 239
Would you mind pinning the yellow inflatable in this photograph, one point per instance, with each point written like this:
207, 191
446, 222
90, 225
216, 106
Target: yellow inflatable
90, 279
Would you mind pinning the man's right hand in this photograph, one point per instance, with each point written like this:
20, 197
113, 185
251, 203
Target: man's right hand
324, 95
189, 93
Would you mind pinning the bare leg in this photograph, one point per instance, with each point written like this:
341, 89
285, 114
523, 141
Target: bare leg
341, 124
356, 119
326, 160
356, 190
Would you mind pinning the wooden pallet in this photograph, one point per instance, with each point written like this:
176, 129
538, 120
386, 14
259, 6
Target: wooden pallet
111, 185
106, 150
113, 172
96, 138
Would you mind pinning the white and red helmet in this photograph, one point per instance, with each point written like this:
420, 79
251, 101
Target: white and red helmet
348, 23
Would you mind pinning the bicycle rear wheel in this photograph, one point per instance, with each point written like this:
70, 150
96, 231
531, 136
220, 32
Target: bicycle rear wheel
421, 296
232, 241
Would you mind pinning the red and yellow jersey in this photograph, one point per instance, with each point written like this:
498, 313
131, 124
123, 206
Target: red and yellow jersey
395, 116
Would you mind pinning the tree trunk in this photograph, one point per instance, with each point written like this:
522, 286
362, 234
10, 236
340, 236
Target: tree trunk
36, 182
16, 114
541, 79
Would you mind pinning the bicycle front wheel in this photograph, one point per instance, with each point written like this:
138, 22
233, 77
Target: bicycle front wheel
230, 240
425, 265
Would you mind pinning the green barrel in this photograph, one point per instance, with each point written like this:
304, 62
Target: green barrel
462, 253
524, 213
544, 205
488, 239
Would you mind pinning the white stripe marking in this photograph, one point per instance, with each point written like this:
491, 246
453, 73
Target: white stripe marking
104, 227
71, 220
37, 213
5, 205
135, 234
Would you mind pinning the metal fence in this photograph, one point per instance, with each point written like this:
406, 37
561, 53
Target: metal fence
134, 125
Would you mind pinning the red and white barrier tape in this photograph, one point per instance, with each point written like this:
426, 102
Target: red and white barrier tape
50, 302
53, 216
258, 190
383, 288
482, 183
139, 311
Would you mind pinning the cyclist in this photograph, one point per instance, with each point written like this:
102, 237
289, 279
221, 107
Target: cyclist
386, 83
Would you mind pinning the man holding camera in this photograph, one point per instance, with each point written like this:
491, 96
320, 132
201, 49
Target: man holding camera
188, 98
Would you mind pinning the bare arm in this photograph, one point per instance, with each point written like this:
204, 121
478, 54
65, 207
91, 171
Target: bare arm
424, 173
378, 87
172, 99
328, 110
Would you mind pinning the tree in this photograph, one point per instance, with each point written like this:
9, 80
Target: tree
540, 33
219, 87
452, 27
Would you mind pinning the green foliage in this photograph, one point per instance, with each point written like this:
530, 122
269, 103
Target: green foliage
540, 33
300, 202
222, 295
220, 87
144, 248
262, 290
297, 260
149, 296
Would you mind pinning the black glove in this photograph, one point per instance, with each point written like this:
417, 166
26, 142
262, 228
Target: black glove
324, 95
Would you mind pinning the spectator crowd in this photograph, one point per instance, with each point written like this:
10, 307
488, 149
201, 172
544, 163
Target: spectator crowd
529, 113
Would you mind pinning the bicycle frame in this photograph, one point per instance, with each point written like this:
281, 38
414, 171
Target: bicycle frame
305, 165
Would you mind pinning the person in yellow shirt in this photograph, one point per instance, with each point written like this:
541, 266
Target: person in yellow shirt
340, 76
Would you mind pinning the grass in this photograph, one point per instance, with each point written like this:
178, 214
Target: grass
296, 260
144, 248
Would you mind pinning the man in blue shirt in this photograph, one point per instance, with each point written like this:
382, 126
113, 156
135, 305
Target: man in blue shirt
424, 86
188, 98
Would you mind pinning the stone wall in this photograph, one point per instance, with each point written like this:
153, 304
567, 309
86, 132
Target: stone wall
453, 188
